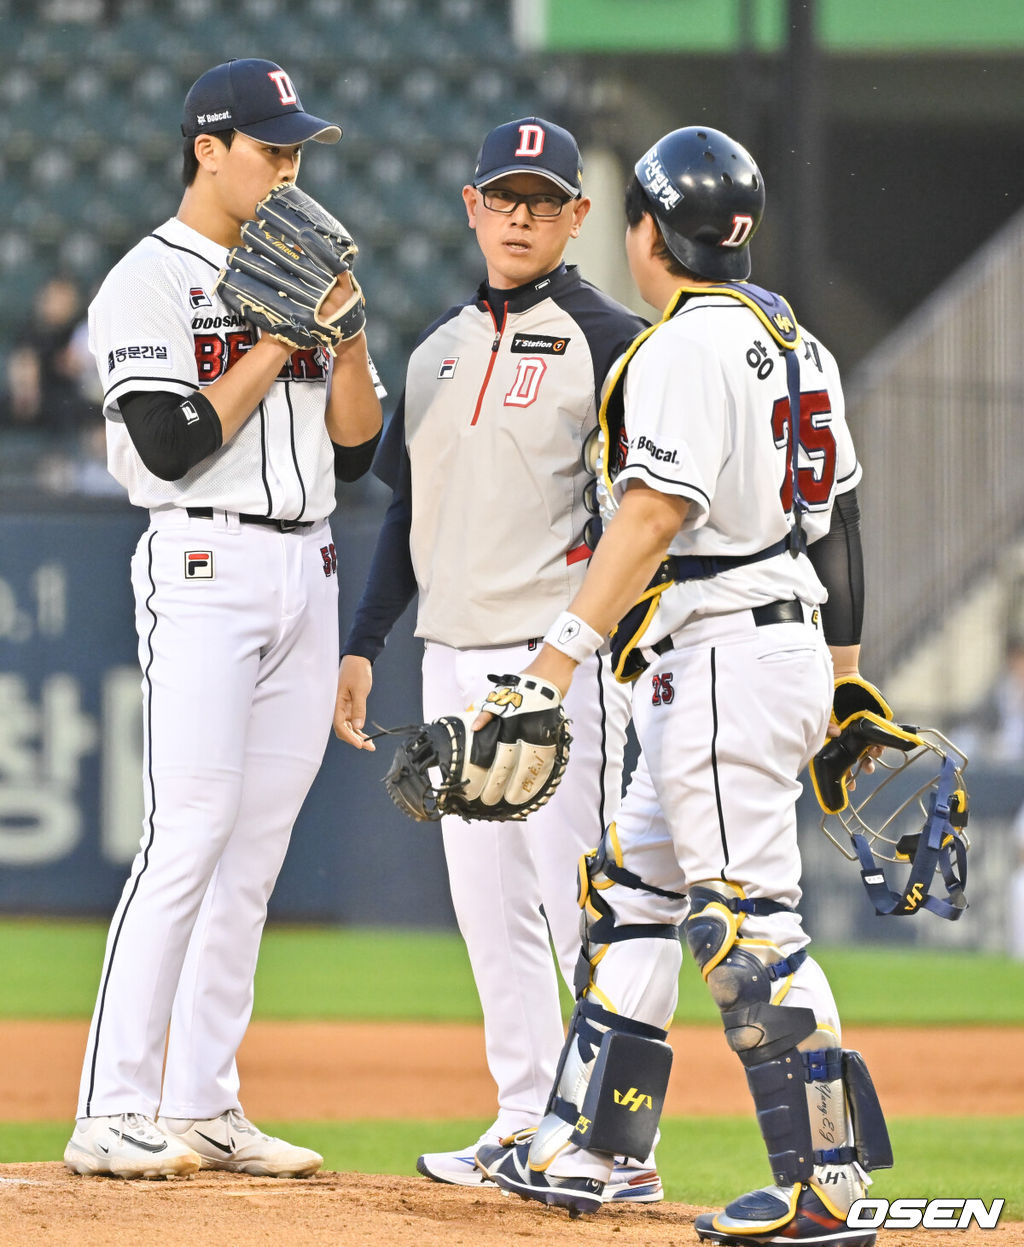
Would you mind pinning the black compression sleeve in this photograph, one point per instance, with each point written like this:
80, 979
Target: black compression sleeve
839, 561
391, 584
170, 433
352, 462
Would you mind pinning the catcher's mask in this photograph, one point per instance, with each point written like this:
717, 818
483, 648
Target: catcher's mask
909, 811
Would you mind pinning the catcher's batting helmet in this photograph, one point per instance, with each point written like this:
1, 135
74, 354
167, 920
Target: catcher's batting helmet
708, 197
911, 812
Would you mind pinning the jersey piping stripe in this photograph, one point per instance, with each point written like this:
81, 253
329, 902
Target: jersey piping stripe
696, 490
149, 843
126, 382
291, 442
174, 246
603, 797
264, 456
714, 761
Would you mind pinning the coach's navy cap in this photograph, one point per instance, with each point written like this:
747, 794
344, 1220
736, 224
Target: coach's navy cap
256, 98
531, 145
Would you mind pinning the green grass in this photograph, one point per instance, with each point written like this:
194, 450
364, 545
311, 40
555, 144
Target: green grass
50, 969
702, 1160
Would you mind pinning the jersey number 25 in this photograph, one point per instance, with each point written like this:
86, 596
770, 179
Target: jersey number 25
817, 443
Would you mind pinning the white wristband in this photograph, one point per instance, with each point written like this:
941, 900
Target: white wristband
573, 636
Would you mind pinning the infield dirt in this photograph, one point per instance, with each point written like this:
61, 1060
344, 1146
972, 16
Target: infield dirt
330, 1071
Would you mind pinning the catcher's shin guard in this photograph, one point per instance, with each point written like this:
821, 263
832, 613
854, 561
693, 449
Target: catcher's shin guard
609, 1090
804, 1086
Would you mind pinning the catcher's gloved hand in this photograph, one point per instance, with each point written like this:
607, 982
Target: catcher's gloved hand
865, 722
505, 770
292, 255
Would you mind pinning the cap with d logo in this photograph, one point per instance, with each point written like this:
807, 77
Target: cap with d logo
531, 145
256, 98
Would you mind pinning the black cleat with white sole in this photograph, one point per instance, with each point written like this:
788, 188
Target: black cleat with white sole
512, 1173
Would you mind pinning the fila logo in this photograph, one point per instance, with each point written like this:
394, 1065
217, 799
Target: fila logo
447, 369
531, 141
634, 1099
198, 564
284, 86
189, 412
197, 297
742, 227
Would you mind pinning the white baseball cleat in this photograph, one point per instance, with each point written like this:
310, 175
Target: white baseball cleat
458, 1168
633, 1182
127, 1145
232, 1142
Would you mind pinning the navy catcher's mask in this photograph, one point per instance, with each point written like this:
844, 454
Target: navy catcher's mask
910, 811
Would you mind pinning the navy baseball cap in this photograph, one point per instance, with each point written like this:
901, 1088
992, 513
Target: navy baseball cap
531, 145
257, 99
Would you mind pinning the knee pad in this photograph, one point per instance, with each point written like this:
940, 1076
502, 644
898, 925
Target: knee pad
738, 972
598, 871
610, 1088
805, 1087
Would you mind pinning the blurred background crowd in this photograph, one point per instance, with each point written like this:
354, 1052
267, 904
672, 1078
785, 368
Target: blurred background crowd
892, 143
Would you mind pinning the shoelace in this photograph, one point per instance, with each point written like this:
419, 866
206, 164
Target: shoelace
140, 1125
240, 1124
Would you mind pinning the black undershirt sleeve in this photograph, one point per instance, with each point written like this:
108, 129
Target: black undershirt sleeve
352, 462
171, 434
839, 561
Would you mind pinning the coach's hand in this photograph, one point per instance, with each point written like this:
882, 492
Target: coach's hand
355, 679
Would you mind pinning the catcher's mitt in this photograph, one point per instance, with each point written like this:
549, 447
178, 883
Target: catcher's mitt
504, 771
291, 257
865, 722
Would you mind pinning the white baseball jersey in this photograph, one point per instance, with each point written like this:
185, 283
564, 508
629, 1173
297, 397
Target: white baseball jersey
157, 324
238, 644
707, 419
730, 711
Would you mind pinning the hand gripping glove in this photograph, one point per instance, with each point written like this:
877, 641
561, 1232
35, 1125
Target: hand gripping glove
291, 257
865, 720
504, 771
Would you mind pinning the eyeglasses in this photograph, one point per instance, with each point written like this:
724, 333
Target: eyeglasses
538, 205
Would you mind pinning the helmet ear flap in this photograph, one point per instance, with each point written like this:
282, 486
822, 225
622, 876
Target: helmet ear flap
707, 195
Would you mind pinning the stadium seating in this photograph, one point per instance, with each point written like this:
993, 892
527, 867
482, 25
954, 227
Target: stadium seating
91, 153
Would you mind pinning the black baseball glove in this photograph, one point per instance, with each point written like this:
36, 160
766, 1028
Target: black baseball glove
291, 257
865, 721
504, 771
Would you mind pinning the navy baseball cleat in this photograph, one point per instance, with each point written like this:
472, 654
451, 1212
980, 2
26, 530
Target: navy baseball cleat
511, 1171
783, 1215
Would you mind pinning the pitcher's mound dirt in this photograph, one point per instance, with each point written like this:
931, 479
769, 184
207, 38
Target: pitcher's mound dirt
44, 1206
322, 1071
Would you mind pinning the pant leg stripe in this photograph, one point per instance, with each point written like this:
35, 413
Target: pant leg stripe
152, 810
714, 762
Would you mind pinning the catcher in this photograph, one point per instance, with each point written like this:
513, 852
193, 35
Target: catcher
237, 388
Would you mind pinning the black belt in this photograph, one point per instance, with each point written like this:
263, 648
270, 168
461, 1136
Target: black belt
282, 526
778, 612
790, 611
